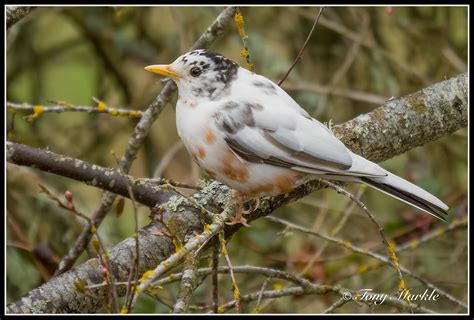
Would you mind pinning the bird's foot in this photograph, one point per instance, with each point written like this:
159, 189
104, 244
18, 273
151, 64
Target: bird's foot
254, 206
238, 217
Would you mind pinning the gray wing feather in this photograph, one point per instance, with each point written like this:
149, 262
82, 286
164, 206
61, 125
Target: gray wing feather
287, 139
270, 127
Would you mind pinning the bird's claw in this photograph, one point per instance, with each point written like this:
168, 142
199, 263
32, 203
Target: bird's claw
238, 218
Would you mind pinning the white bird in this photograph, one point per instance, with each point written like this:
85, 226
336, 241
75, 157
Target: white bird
248, 133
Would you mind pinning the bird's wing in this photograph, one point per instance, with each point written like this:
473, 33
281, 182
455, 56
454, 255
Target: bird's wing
265, 131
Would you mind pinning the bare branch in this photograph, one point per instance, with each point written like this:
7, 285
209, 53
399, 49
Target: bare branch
105, 178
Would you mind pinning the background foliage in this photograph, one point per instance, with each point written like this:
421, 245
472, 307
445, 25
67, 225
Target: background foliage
357, 58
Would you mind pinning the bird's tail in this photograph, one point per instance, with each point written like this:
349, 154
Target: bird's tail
408, 192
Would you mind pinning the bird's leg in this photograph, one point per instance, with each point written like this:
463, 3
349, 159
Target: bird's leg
238, 198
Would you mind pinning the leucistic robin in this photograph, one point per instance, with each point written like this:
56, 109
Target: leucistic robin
248, 133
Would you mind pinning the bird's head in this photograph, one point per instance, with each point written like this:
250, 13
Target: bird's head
200, 74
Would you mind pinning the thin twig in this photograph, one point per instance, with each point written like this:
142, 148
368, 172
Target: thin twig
215, 266
434, 234
62, 106
136, 260
336, 91
390, 246
264, 284
316, 289
235, 287
239, 21
371, 254
98, 244
346, 64
339, 303
347, 211
304, 46
165, 181
369, 43
167, 158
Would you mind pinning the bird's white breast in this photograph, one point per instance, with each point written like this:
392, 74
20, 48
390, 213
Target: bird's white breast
205, 142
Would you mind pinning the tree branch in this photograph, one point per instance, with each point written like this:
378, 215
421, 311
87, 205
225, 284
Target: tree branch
399, 125
108, 179
188, 283
66, 107
16, 13
404, 123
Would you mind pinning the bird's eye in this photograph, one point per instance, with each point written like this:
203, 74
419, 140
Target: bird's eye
195, 71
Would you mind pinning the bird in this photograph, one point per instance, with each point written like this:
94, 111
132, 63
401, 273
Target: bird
248, 133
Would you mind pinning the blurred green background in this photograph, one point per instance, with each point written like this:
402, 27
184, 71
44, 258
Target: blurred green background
357, 58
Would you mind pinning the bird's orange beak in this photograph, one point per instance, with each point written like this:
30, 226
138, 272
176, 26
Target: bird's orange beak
164, 70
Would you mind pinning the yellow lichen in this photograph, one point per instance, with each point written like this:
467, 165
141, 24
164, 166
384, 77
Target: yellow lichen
146, 275
37, 110
101, 106
278, 286
124, 310
391, 250
402, 285
239, 21
236, 292
177, 246
135, 114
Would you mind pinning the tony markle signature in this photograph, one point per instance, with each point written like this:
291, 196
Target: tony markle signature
379, 298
